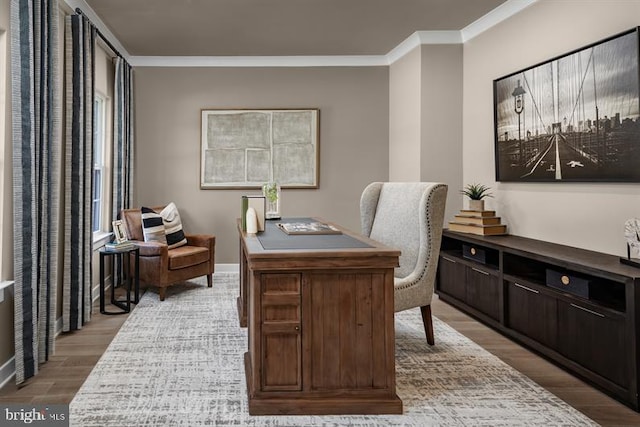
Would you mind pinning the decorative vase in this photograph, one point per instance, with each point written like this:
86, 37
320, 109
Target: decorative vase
476, 205
252, 221
271, 192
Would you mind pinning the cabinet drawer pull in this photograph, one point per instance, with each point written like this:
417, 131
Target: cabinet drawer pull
587, 310
297, 328
480, 271
448, 259
526, 288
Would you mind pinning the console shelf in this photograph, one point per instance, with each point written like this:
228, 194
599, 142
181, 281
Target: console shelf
588, 323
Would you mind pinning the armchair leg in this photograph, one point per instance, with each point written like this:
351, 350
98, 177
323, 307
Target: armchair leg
163, 292
428, 323
209, 280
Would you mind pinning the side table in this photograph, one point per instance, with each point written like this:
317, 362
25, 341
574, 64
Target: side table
125, 260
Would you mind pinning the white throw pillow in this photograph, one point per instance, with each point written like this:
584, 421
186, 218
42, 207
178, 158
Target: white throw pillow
173, 226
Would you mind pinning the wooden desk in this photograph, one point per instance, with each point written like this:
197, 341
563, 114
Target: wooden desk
320, 324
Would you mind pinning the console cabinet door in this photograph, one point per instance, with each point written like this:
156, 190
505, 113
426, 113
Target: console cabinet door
595, 339
452, 278
483, 292
532, 314
281, 336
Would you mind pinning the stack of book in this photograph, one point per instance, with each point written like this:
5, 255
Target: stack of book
484, 223
123, 246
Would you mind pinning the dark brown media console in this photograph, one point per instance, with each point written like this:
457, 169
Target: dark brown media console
592, 331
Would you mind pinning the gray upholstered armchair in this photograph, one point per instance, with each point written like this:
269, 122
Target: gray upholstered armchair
408, 216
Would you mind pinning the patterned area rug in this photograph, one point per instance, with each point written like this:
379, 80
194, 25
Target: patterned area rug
179, 363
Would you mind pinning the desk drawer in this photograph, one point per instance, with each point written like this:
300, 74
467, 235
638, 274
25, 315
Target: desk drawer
280, 299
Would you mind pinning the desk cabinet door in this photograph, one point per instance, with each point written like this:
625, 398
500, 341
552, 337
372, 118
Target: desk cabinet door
345, 332
281, 337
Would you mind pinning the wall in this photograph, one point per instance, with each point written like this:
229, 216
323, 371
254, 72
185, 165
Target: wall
585, 215
354, 132
441, 120
404, 117
425, 118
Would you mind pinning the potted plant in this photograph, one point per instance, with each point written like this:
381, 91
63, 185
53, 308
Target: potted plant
271, 192
476, 194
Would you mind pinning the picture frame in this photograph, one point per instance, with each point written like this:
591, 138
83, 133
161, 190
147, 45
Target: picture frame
119, 231
573, 118
244, 148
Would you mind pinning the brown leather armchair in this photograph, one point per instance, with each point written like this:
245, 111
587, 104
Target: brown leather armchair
163, 267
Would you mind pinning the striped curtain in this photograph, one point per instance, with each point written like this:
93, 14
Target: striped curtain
36, 169
122, 137
122, 145
79, 60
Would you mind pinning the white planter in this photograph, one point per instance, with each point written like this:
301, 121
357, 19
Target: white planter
476, 205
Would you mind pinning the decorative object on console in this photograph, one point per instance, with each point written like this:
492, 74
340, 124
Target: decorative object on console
476, 194
481, 222
258, 204
572, 118
632, 236
251, 221
244, 148
271, 192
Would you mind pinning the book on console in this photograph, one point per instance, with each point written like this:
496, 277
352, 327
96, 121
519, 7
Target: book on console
313, 227
469, 212
481, 220
482, 230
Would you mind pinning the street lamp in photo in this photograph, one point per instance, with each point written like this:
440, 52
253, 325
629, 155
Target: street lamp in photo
518, 106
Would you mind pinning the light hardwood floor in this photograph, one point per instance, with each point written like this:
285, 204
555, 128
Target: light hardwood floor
78, 352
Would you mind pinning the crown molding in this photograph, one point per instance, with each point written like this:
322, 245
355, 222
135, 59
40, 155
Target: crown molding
422, 37
260, 61
505, 11
494, 17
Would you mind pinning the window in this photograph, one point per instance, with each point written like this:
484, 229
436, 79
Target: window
99, 138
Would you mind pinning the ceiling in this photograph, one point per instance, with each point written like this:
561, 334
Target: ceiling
279, 27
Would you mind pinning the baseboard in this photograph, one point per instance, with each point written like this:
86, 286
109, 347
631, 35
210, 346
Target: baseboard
7, 371
227, 268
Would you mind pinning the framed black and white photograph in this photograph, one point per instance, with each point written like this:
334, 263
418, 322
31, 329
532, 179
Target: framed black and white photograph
247, 148
572, 118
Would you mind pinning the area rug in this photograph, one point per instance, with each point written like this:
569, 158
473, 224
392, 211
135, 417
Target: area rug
179, 363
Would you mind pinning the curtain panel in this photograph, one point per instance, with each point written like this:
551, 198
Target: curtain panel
122, 190
122, 137
79, 71
36, 169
